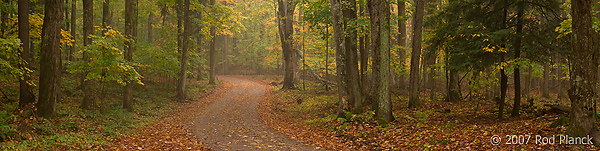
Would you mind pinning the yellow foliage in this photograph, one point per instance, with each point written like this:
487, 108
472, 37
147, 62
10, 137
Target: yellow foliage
67, 38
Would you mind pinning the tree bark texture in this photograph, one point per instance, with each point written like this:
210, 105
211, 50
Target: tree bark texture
50, 56
415, 58
584, 68
338, 39
286, 13
401, 40
350, 39
129, 28
26, 95
73, 28
184, 51
517, 73
212, 60
88, 29
380, 38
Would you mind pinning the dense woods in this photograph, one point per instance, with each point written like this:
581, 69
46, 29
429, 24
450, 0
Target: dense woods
372, 73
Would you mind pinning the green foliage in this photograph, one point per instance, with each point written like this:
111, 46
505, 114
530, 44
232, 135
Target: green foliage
9, 60
5, 126
318, 16
475, 42
564, 121
160, 60
107, 63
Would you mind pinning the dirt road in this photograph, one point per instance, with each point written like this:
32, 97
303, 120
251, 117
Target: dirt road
231, 122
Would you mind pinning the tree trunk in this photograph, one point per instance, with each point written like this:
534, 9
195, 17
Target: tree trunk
150, 28
415, 58
179, 11
401, 41
380, 37
212, 61
545, 84
529, 82
584, 68
517, 73
353, 80
73, 28
224, 52
88, 29
286, 13
129, 48
50, 56
4, 19
184, 51
503, 87
363, 49
106, 16
338, 39
453, 90
26, 95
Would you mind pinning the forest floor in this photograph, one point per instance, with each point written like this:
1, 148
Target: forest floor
311, 115
106, 125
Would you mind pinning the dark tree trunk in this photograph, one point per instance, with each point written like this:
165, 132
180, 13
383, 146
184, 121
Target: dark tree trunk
415, 58
4, 19
106, 16
380, 37
50, 56
73, 28
401, 40
503, 87
129, 48
26, 95
584, 68
364, 57
88, 29
213, 61
517, 74
184, 51
179, 10
353, 80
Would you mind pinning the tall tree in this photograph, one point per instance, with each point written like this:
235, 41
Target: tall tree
380, 38
350, 39
129, 48
517, 73
106, 16
150, 27
26, 95
88, 30
364, 48
213, 60
184, 51
401, 39
50, 56
415, 58
338, 39
545, 81
4, 19
286, 30
584, 71
73, 28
